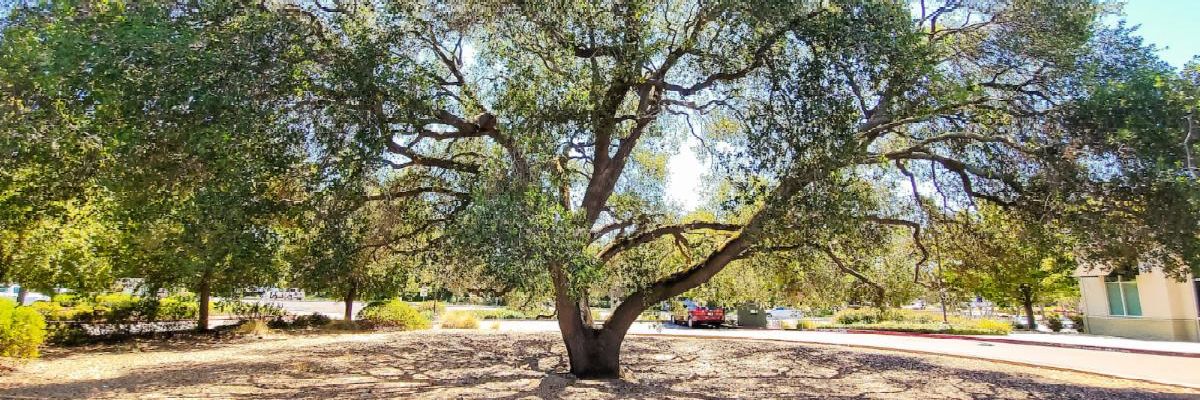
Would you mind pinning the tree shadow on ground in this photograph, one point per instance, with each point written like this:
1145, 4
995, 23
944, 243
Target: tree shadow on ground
522, 366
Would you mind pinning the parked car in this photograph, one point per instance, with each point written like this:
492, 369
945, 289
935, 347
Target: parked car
12, 291
784, 313
284, 294
692, 315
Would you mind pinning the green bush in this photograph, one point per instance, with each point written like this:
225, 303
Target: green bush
394, 314
1055, 323
915, 328
994, 327
505, 313
315, 320
22, 330
806, 325
279, 323
460, 320
1077, 320
66, 333
963, 327
118, 308
248, 311
177, 307
873, 316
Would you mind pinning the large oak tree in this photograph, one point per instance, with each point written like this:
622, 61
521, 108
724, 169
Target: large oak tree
541, 121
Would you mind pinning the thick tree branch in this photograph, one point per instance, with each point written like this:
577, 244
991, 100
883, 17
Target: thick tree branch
916, 237
648, 236
828, 250
417, 159
412, 192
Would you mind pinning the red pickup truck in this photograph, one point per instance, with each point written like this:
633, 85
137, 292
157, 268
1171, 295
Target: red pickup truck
698, 316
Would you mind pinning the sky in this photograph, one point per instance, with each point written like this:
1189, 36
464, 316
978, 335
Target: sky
1172, 25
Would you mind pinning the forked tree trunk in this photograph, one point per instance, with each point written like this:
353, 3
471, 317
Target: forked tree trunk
594, 353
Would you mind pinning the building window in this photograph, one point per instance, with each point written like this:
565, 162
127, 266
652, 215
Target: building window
1123, 295
1196, 283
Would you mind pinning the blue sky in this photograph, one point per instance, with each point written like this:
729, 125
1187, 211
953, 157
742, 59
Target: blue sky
1172, 25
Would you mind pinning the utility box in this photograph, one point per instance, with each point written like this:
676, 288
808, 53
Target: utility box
751, 315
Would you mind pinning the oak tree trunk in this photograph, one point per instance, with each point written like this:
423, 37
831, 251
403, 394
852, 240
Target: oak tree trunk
204, 293
1027, 301
594, 353
349, 316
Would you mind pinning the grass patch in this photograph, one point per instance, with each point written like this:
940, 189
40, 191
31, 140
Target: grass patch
460, 320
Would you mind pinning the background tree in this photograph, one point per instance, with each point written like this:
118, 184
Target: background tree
181, 104
358, 246
1008, 260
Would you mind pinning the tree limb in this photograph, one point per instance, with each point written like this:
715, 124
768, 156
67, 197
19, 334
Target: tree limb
648, 236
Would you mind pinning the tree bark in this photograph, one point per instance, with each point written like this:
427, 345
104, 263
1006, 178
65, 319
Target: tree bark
1027, 301
350, 294
593, 353
203, 295
21, 293
597, 355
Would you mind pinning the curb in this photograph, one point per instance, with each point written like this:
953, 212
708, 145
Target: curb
1026, 342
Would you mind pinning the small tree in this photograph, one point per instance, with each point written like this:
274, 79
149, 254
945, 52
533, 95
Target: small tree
1010, 260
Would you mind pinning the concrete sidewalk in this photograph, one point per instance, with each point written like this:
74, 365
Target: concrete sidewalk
1179, 371
1108, 342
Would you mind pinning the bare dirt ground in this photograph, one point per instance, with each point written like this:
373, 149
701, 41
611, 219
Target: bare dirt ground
489, 365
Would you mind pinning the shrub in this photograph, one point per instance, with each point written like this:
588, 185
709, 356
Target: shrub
806, 325
247, 311
177, 307
118, 308
460, 320
121, 308
431, 308
66, 333
22, 330
505, 313
53, 311
1054, 323
787, 325
1077, 320
917, 328
254, 327
394, 314
314, 320
874, 316
279, 323
856, 316
995, 327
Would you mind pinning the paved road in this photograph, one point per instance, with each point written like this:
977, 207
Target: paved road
1181, 371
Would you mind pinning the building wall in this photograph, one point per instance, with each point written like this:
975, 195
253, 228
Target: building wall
1169, 309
